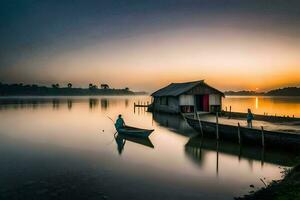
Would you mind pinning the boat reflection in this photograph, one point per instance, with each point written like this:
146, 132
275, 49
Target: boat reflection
121, 141
197, 147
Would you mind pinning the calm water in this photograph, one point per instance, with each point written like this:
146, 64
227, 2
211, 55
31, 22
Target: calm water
64, 148
287, 106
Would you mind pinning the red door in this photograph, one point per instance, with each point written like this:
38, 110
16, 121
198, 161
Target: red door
206, 103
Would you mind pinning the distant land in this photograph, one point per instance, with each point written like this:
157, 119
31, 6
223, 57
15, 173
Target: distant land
287, 91
36, 90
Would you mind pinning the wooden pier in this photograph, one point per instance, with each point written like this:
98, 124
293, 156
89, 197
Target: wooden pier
142, 104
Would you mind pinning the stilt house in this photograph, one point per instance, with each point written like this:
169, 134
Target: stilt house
187, 97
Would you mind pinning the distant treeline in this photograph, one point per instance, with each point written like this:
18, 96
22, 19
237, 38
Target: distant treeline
34, 90
288, 91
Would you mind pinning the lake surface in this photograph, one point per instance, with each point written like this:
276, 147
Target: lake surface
279, 106
65, 148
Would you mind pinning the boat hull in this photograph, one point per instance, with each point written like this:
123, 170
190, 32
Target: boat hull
290, 141
135, 132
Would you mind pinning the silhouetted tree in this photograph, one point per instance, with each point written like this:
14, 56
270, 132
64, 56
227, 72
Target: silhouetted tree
104, 86
127, 89
92, 87
55, 85
69, 85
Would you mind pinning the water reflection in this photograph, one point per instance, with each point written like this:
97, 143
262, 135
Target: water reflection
175, 123
93, 103
70, 103
121, 141
197, 147
181, 162
279, 106
104, 104
55, 104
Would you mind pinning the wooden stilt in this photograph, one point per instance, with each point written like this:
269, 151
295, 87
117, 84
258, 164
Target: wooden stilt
217, 163
217, 125
200, 124
262, 136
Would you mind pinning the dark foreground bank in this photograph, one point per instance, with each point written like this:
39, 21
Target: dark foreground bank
286, 189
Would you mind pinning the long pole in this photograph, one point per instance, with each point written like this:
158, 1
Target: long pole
262, 136
217, 125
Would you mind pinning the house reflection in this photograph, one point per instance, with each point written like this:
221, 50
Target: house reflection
175, 123
122, 139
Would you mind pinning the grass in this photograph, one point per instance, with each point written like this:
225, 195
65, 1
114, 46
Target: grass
286, 189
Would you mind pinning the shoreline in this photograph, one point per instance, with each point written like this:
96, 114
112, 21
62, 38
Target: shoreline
287, 188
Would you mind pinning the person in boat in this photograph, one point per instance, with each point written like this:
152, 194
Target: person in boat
120, 122
249, 118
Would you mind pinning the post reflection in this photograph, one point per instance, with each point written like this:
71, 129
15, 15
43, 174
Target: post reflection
198, 149
122, 139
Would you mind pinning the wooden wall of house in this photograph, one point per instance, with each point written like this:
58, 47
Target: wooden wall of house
171, 107
187, 100
215, 99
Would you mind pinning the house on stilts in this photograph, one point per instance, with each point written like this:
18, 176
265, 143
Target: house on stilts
187, 97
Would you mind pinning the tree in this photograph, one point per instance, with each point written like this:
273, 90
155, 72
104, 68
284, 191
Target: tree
55, 85
69, 85
126, 89
104, 86
92, 87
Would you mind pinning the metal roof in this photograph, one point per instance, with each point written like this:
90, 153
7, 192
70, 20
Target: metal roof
176, 89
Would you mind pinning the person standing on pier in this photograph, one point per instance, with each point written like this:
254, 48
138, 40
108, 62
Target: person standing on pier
249, 118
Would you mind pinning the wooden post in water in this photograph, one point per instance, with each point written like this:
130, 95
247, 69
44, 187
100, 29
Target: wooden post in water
217, 164
229, 112
217, 125
262, 136
239, 133
200, 124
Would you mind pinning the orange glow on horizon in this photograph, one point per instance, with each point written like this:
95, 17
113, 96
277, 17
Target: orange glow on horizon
225, 59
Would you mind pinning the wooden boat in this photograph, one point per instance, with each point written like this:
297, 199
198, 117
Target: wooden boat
133, 131
289, 141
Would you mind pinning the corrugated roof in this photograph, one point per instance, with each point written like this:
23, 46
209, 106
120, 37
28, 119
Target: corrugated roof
175, 89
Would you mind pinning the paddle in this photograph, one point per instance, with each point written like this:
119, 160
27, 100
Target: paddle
110, 119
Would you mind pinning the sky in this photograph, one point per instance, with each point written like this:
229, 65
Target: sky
144, 45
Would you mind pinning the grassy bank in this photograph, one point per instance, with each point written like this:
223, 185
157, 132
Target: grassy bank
286, 189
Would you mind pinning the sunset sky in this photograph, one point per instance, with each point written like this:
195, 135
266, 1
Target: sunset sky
232, 44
